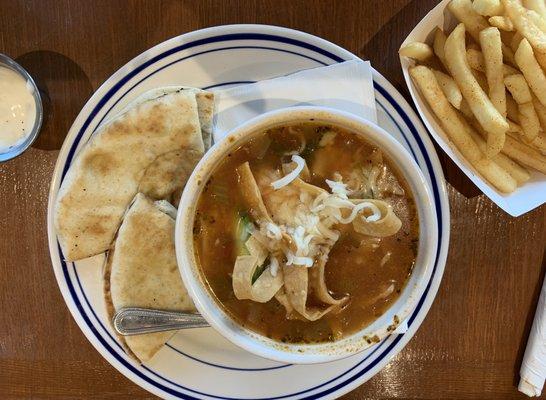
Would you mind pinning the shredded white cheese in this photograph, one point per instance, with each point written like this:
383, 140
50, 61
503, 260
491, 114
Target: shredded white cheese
274, 266
338, 188
298, 237
295, 260
288, 178
273, 231
311, 221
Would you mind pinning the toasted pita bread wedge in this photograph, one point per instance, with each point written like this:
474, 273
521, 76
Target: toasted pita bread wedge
141, 271
107, 172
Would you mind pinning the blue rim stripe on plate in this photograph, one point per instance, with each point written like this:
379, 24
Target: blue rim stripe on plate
227, 83
214, 39
224, 366
92, 310
399, 128
217, 85
379, 346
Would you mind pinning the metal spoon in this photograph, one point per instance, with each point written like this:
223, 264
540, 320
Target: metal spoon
136, 321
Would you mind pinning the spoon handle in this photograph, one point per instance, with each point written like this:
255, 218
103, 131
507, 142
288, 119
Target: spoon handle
136, 321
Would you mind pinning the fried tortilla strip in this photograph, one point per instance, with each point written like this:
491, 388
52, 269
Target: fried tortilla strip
265, 286
388, 225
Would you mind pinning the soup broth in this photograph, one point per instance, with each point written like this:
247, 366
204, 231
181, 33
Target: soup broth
364, 274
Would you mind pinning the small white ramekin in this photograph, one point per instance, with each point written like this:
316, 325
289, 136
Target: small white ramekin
23, 145
306, 353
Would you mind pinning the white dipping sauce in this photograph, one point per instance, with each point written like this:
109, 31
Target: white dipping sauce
17, 109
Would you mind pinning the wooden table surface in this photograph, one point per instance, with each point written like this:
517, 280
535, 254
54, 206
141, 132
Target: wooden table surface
472, 341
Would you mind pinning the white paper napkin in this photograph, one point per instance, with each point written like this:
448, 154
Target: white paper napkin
347, 86
533, 366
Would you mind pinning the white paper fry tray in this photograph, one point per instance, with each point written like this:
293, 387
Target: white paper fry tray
533, 193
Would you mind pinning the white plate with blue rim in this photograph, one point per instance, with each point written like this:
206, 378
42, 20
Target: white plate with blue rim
200, 363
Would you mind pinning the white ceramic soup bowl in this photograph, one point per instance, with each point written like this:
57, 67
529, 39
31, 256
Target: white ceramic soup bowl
260, 345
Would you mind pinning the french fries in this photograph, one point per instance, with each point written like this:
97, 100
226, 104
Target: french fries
514, 128
438, 45
456, 128
484, 111
540, 144
524, 154
518, 14
475, 23
541, 112
532, 72
516, 171
490, 40
520, 152
450, 88
540, 23
528, 118
465, 109
511, 109
417, 50
536, 19
465, 13
516, 39
502, 22
537, 6
491, 103
476, 61
488, 7
508, 55
481, 79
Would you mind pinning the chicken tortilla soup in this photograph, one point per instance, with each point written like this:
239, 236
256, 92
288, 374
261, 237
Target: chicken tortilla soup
306, 234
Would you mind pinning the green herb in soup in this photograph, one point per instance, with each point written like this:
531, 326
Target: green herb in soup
306, 233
